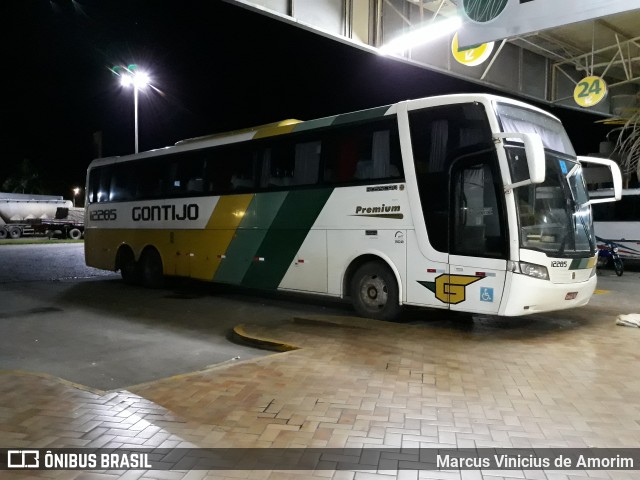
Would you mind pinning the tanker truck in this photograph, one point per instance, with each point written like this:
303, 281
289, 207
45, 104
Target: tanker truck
26, 214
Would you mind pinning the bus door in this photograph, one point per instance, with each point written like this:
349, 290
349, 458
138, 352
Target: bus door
477, 235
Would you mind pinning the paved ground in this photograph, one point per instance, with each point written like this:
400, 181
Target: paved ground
84, 325
555, 380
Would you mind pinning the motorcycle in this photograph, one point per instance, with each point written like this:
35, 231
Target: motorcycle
608, 253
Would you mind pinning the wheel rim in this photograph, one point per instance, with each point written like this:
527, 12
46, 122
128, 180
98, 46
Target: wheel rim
374, 292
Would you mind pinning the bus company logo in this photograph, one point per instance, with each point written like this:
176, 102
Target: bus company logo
159, 213
450, 289
383, 211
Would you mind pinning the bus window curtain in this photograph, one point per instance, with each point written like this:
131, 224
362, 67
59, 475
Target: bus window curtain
439, 141
307, 163
265, 174
380, 155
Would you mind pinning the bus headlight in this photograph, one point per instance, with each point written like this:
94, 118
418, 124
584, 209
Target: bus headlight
529, 269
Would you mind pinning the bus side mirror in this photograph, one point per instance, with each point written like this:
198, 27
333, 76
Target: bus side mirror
603, 171
534, 151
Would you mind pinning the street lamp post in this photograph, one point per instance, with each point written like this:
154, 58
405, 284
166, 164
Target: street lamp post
131, 76
76, 192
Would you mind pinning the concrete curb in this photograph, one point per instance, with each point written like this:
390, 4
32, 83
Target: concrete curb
240, 334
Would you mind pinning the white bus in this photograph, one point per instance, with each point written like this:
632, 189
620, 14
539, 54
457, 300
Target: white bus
619, 222
464, 202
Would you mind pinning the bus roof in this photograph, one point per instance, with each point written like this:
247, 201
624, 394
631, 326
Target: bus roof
275, 126
292, 125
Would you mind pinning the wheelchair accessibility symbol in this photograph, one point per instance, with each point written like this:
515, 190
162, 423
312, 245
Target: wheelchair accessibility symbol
486, 294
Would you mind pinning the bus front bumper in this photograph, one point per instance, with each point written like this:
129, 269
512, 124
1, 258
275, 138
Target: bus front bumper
529, 295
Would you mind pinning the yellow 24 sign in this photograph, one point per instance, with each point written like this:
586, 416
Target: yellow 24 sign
590, 91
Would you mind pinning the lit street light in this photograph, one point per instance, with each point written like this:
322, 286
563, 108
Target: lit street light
76, 192
132, 77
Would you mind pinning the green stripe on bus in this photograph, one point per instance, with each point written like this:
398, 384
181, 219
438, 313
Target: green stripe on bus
579, 263
288, 230
313, 124
361, 115
249, 236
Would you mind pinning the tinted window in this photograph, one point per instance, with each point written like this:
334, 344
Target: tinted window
439, 136
625, 210
364, 153
477, 227
368, 152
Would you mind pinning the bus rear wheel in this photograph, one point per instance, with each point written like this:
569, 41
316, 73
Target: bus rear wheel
374, 292
151, 267
129, 269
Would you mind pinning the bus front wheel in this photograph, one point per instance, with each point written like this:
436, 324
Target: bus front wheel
374, 292
152, 271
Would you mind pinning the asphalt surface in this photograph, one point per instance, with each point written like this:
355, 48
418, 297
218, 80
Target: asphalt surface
86, 326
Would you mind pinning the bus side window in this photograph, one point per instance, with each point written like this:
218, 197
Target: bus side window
104, 184
429, 140
149, 175
217, 173
174, 183
628, 208
381, 166
369, 151
278, 165
307, 163
244, 166
122, 186
340, 159
94, 185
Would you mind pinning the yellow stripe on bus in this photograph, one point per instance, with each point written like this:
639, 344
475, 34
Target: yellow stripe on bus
280, 128
229, 212
209, 245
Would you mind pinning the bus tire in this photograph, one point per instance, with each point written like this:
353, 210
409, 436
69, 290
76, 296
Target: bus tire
129, 268
15, 232
151, 268
3, 233
374, 292
75, 234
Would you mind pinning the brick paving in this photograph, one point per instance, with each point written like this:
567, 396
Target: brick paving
560, 380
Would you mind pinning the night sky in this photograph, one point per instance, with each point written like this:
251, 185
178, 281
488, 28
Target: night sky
216, 67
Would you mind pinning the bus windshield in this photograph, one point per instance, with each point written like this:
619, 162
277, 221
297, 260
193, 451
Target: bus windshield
555, 216
522, 120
